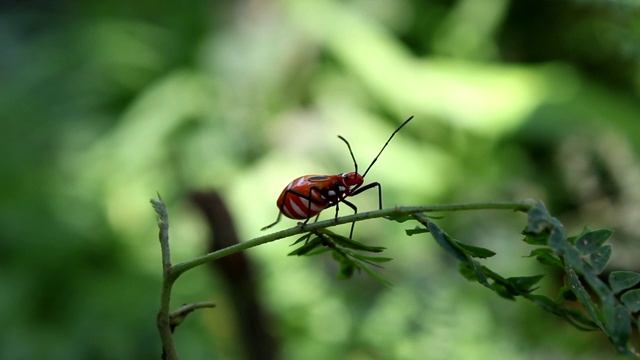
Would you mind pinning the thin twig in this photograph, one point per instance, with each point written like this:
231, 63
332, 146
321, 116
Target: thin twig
180, 268
180, 314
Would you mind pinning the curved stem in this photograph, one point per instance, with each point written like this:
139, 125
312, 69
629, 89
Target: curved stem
180, 314
180, 268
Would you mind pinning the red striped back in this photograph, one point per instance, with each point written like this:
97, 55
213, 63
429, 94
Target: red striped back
297, 207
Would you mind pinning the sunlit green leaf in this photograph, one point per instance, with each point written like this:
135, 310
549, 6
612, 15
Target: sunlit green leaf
621, 280
631, 299
591, 241
475, 251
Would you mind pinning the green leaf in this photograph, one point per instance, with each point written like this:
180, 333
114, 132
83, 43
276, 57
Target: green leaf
591, 241
601, 289
548, 259
584, 298
600, 258
631, 299
374, 259
400, 217
572, 239
619, 326
557, 240
475, 251
346, 270
302, 238
536, 239
620, 280
468, 272
574, 317
502, 290
579, 319
482, 279
312, 244
347, 266
573, 259
318, 251
538, 219
417, 230
375, 276
446, 243
352, 244
566, 294
538, 252
525, 283
546, 304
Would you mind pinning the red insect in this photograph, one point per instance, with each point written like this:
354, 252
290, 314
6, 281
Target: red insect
308, 195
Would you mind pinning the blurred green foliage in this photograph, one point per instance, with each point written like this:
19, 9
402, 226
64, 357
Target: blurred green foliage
105, 103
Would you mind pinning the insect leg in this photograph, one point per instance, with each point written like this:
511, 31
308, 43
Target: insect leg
355, 211
273, 223
369, 186
358, 191
311, 200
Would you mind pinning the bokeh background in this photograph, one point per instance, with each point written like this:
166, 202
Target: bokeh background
103, 104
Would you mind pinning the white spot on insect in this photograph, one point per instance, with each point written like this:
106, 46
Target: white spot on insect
341, 188
297, 212
300, 181
315, 208
332, 193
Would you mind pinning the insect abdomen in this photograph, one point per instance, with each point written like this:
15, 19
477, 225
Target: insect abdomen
295, 206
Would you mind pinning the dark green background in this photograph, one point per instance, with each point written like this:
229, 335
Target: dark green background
104, 103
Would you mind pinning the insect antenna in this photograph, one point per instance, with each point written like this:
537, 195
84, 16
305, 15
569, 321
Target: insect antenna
384, 146
350, 152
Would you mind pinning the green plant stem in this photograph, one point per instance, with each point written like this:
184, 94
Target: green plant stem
180, 268
163, 318
188, 308
172, 272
